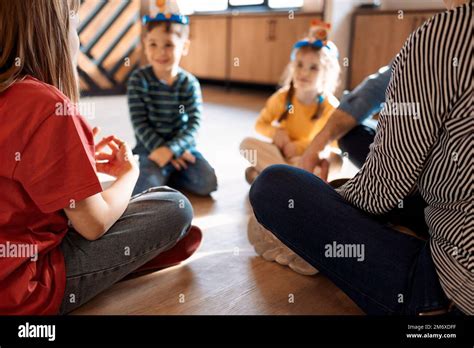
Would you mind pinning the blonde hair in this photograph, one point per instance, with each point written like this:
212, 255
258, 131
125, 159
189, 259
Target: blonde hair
35, 42
328, 75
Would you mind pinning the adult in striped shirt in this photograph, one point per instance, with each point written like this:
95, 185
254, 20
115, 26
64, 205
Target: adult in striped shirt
165, 106
423, 144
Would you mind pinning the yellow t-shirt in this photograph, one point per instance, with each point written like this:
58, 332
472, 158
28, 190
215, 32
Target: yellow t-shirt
300, 127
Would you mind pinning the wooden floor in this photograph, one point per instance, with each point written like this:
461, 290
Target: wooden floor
225, 276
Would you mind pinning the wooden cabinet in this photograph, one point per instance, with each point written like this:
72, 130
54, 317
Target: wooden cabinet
245, 48
251, 49
207, 56
261, 46
377, 37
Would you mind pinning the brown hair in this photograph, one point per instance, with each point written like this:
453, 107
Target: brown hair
330, 70
35, 42
179, 29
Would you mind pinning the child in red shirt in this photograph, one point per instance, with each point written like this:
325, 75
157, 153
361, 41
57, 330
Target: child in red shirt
62, 239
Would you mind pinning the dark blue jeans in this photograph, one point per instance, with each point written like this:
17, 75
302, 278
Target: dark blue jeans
394, 274
199, 178
356, 143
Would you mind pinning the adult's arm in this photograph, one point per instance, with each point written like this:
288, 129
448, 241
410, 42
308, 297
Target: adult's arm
364, 101
403, 140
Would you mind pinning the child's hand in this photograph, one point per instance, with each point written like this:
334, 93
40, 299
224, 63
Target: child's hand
181, 163
161, 156
281, 138
117, 163
290, 150
322, 169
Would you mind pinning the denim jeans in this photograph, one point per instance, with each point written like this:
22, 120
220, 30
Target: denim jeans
395, 273
356, 143
199, 178
153, 222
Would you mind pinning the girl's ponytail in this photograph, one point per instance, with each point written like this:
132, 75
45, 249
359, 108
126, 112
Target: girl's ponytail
288, 105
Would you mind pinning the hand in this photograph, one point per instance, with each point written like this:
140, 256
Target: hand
281, 138
161, 156
309, 159
181, 163
321, 170
117, 163
313, 163
290, 150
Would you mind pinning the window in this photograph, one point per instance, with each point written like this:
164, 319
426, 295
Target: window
222, 5
285, 3
246, 2
214, 5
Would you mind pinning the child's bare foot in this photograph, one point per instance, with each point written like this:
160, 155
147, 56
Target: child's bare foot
251, 174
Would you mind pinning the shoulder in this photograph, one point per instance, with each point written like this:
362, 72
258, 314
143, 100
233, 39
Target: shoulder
33, 98
141, 77
187, 78
331, 101
279, 97
442, 30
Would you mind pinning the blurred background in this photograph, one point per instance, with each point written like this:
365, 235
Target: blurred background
246, 41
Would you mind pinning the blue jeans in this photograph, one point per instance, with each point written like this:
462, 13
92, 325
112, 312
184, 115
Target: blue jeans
356, 143
395, 273
199, 178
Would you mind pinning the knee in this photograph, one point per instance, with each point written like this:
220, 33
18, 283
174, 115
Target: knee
206, 184
268, 185
170, 211
247, 143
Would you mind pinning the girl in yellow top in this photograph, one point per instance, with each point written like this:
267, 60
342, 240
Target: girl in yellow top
297, 112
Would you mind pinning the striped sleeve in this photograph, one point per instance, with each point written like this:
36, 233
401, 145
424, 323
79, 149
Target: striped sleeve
143, 128
407, 129
192, 103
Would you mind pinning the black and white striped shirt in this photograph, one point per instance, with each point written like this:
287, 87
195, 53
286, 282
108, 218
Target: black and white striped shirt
424, 141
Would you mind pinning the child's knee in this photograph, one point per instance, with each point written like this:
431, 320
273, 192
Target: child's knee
206, 185
248, 143
169, 209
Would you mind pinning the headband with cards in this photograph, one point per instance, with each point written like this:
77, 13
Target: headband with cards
165, 11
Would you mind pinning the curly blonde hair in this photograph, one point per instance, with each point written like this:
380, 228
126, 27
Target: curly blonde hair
328, 75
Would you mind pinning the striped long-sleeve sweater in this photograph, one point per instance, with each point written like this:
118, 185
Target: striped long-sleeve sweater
162, 114
425, 141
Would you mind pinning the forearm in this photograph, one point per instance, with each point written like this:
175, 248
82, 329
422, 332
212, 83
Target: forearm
147, 135
265, 129
185, 139
117, 197
338, 125
93, 216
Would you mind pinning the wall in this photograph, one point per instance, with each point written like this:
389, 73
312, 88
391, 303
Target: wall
339, 13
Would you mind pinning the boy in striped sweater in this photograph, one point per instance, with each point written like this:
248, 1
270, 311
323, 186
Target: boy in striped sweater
165, 106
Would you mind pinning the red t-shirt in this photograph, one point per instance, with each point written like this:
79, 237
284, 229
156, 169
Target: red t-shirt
46, 164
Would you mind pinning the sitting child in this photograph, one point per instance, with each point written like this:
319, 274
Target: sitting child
165, 107
63, 239
291, 118
297, 112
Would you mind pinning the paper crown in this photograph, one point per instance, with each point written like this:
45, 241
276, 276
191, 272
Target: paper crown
317, 38
165, 11
166, 17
